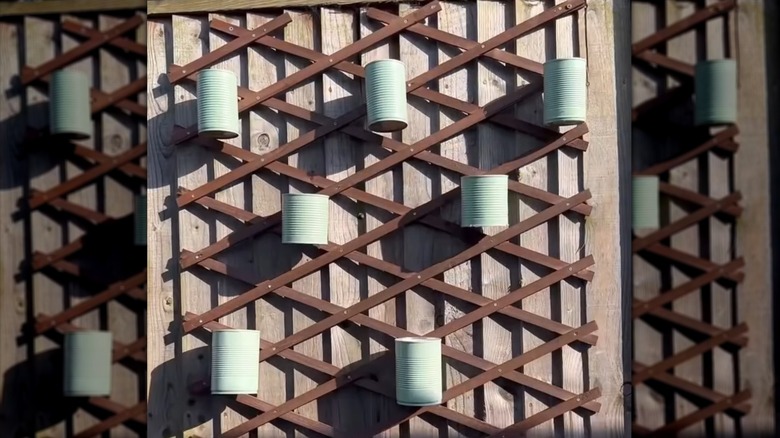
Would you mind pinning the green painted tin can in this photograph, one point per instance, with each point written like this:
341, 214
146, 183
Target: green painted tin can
305, 218
645, 214
386, 95
70, 114
139, 220
716, 92
217, 104
565, 91
484, 201
87, 363
235, 361
418, 371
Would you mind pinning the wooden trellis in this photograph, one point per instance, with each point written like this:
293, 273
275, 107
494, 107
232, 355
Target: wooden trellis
499, 112
93, 280
697, 283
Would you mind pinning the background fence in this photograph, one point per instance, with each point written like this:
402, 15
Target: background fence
67, 258
206, 248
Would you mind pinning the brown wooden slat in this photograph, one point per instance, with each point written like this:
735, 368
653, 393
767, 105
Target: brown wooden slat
694, 197
113, 407
718, 140
690, 260
661, 101
668, 63
123, 43
85, 213
506, 120
683, 25
670, 429
690, 323
130, 169
113, 421
30, 74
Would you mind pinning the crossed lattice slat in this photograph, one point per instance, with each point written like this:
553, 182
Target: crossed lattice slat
400, 152
99, 165
707, 336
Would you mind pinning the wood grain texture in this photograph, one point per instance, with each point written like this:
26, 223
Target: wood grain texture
51, 7
194, 167
15, 380
454, 19
165, 381
753, 230
604, 162
388, 185
158, 7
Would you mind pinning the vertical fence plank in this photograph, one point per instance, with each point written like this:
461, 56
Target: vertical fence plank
164, 372
195, 230
304, 31
499, 273
454, 19
388, 185
266, 128
419, 56
16, 380
48, 295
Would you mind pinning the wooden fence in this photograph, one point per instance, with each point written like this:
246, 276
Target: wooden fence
67, 258
702, 302
397, 263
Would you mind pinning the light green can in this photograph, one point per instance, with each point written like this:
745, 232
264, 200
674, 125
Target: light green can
87, 363
305, 218
70, 114
418, 371
235, 361
139, 220
484, 201
217, 104
716, 92
565, 91
386, 95
645, 212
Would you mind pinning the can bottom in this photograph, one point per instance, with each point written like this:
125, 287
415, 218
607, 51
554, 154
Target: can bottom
564, 121
72, 135
218, 133
431, 403
388, 125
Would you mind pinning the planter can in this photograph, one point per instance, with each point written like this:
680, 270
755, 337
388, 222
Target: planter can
645, 213
87, 363
565, 91
484, 201
418, 371
235, 361
716, 92
386, 95
217, 94
139, 220
70, 114
305, 219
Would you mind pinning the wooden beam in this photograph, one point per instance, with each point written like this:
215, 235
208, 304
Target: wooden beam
167, 7
8, 9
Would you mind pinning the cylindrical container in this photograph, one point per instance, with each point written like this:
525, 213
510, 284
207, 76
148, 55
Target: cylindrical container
716, 92
305, 219
139, 220
235, 361
484, 201
217, 104
645, 203
418, 380
386, 95
565, 91
70, 114
87, 363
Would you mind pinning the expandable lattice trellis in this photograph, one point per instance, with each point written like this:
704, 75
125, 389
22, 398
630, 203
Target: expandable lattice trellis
348, 124
708, 336
99, 165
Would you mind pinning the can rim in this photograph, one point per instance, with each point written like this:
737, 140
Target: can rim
417, 339
397, 61
307, 195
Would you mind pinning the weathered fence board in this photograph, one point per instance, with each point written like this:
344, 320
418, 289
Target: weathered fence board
197, 233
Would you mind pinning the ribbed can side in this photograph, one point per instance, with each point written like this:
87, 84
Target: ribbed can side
70, 114
716, 92
217, 104
87, 363
235, 361
418, 371
484, 201
645, 213
565, 91
386, 95
305, 218
139, 220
